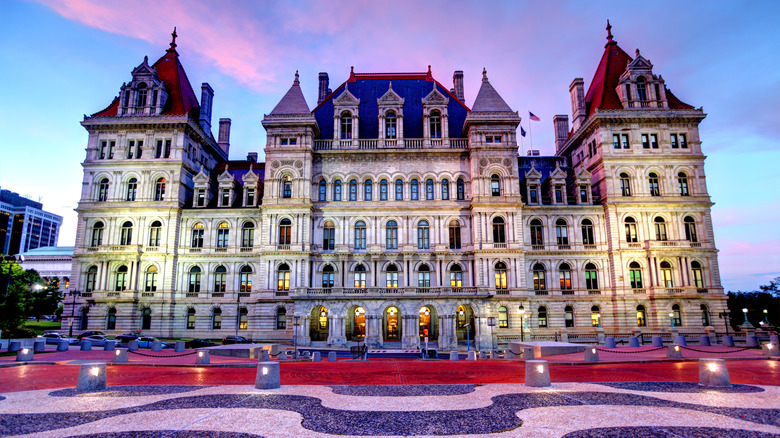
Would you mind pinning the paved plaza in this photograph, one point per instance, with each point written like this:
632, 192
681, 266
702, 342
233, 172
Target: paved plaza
164, 394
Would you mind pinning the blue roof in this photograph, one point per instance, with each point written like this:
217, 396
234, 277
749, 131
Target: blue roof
412, 90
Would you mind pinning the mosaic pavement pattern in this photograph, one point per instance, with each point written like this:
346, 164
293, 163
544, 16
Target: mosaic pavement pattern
565, 410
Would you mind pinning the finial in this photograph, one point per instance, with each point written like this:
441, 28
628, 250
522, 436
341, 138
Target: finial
173, 39
146, 60
609, 31
352, 73
296, 82
429, 69
391, 85
637, 53
484, 74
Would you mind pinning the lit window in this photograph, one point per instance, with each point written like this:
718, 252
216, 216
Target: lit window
539, 277
635, 275
500, 276
283, 277
191, 319
591, 277
503, 317
456, 276
542, 316
360, 277
243, 318
245, 279
285, 232
631, 235
223, 234
677, 315
536, 232
391, 276
666, 274
564, 272
641, 318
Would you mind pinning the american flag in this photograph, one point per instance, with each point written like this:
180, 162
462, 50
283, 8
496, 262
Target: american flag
532, 116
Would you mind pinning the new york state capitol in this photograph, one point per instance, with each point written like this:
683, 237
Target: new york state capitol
393, 211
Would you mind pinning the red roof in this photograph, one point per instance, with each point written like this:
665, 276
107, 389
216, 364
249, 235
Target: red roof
181, 99
601, 93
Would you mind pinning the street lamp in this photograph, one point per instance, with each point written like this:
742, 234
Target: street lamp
766, 317
725, 316
75, 294
296, 324
238, 312
491, 322
671, 318
522, 325
744, 311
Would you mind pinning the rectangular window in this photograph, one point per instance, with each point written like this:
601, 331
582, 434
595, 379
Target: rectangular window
625, 141
558, 195
415, 192
111, 145
201, 197
167, 148
422, 238
445, 191
533, 197
102, 150
654, 141
583, 193
158, 151
139, 144
383, 191
616, 141
130, 149
399, 191
368, 190
645, 141
329, 239
454, 237
392, 238
250, 197
683, 141
226, 197
673, 139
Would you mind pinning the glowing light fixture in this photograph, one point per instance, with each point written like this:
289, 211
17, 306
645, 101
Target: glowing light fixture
265, 371
744, 310
540, 369
117, 352
200, 354
593, 350
676, 348
25, 350
712, 366
95, 371
770, 345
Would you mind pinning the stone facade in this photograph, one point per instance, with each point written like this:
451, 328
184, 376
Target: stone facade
393, 211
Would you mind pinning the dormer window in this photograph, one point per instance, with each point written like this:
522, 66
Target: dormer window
226, 197
533, 197
201, 198
141, 95
391, 126
435, 124
250, 197
641, 89
346, 125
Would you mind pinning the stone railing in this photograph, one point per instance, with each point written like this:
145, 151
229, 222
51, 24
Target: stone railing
392, 291
406, 143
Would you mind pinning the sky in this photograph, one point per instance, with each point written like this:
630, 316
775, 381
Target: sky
66, 58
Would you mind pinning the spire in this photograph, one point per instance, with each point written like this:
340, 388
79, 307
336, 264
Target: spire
296, 82
293, 103
173, 40
484, 74
488, 99
610, 41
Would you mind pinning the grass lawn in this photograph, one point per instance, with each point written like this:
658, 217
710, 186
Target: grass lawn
40, 326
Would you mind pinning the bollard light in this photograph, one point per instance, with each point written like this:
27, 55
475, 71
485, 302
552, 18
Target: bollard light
117, 352
540, 369
27, 350
712, 366
265, 371
593, 350
95, 371
770, 346
676, 348
200, 354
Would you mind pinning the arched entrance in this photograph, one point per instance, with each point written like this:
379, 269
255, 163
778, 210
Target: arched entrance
429, 323
392, 324
464, 315
84, 318
356, 324
318, 330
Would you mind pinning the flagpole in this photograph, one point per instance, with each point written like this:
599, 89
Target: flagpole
530, 131
521, 141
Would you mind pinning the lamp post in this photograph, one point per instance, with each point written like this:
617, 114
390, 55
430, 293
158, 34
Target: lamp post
491, 322
766, 318
744, 311
75, 294
468, 342
296, 324
725, 317
522, 324
598, 316
671, 318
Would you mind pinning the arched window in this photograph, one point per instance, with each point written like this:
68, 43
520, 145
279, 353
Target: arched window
353, 190
568, 316
216, 319
323, 191
399, 190
698, 276
542, 316
456, 276
460, 189
126, 234
220, 279
690, 229
360, 235
346, 125
631, 236
337, 190
641, 317
423, 241
191, 319
429, 189
705, 315
329, 236
283, 277
281, 318
424, 276
132, 188
247, 235
495, 185
625, 184
591, 277
660, 228
641, 89
652, 179
285, 232
587, 232
97, 234
434, 122
90, 278
197, 235
360, 277
391, 235
564, 272
682, 182
111, 319
245, 279
454, 234
194, 279
223, 235
595, 316
146, 319
140, 101
498, 230
154, 233
286, 187
445, 189
121, 279
676, 315
151, 279
383, 190
391, 125
328, 279
500, 276
539, 277
666, 274
635, 275
368, 190
561, 232
391, 276
159, 189
537, 236
503, 317
102, 190
415, 190
243, 318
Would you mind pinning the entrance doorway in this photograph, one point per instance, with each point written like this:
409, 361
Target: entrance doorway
318, 327
464, 315
356, 324
392, 329
429, 323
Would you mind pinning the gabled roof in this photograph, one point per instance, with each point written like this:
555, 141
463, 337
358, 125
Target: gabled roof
488, 100
293, 103
181, 98
601, 93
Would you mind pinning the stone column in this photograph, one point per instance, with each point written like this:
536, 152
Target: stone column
482, 336
373, 331
410, 331
303, 331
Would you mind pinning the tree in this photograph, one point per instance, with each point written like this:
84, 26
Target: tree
20, 299
766, 298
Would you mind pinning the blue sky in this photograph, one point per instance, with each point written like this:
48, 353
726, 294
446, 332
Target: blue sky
63, 59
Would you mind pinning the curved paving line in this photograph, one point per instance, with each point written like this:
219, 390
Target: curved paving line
499, 416
668, 432
687, 387
402, 390
170, 433
128, 391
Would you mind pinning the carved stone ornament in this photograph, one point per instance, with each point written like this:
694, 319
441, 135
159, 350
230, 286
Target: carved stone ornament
275, 164
299, 164
483, 162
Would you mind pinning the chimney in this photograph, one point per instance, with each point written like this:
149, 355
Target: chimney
577, 91
561, 126
324, 90
252, 157
224, 135
206, 98
457, 83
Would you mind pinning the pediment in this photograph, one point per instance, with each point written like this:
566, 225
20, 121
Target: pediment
390, 97
225, 178
584, 174
558, 173
533, 173
346, 98
435, 97
201, 177
144, 70
250, 178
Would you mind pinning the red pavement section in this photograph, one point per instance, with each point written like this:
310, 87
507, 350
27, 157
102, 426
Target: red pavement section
386, 372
